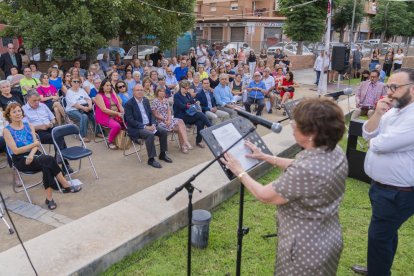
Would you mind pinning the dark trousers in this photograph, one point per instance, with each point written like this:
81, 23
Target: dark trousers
45, 137
387, 69
260, 105
390, 209
200, 120
318, 76
149, 137
397, 66
2, 144
45, 163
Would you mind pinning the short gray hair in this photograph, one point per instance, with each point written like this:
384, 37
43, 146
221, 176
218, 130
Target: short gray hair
32, 93
4, 82
223, 75
135, 73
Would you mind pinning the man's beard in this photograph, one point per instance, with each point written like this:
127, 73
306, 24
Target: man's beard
403, 101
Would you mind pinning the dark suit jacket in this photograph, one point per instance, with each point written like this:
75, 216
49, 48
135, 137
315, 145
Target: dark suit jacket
133, 117
6, 63
202, 98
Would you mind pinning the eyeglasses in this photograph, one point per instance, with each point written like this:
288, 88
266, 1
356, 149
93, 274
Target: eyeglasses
121, 86
76, 81
394, 87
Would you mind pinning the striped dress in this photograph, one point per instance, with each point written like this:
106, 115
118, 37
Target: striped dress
310, 236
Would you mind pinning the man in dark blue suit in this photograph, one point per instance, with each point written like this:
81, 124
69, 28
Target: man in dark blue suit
208, 104
141, 125
10, 59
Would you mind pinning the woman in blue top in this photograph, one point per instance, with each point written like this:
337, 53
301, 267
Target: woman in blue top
23, 146
121, 89
182, 102
55, 80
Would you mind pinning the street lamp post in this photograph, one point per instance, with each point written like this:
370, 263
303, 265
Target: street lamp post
351, 31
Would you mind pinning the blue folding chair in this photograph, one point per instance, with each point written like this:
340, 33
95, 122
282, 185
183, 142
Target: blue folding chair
72, 153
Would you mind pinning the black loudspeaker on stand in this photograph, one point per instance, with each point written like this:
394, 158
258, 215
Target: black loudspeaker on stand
340, 58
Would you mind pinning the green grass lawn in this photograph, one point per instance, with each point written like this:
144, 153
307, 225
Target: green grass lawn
167, 256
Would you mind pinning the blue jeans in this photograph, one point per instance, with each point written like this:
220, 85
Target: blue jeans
83, 119
390, 209
318, 76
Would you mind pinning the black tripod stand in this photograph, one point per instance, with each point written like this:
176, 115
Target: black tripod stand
190, 188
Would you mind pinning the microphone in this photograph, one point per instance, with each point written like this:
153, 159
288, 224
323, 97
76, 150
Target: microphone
275, 127
348, 91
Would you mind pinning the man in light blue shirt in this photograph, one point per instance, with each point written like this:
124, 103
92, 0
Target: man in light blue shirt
224, 97
42, 119
256, 91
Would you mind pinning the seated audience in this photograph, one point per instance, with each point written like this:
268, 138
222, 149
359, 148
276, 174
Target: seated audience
183, 107
7, 96
49, 96
109, 111
21, 140
236, 88
367, 95
224, 98
256, 91
209, 106
79, 108
121, 89
162, 112
269, 82
28, 82
286, 88
148, 89
142, 125
43, 121
55, 79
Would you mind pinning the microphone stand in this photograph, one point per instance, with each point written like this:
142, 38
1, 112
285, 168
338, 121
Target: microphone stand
190, 188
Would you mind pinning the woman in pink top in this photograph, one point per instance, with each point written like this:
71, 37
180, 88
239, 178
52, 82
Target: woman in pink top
109, 111
49, 96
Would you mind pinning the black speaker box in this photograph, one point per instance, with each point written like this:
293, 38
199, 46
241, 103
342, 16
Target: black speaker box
340, 58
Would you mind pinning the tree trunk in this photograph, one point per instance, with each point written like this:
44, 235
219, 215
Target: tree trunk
299, 50
409, 39
341, 35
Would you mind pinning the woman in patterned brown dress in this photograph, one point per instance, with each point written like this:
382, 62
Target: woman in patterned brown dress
162, 112
308, 192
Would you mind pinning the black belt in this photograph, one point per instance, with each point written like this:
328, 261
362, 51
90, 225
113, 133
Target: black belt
395, 188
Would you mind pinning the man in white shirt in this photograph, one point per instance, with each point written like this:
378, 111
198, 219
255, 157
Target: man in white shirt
270, 87
162, 71
390, 162
319, 64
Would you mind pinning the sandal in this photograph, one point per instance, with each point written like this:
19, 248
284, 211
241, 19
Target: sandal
189, 146
184, 149
112, 146
71, 189
50, 204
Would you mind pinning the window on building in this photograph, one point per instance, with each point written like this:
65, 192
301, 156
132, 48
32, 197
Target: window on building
234, 6
6, 40
213, 7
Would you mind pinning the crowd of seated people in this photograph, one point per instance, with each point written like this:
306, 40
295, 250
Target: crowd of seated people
146, 98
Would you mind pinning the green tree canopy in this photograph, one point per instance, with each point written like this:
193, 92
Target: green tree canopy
342, 17
304, 23
392, 18
72, 27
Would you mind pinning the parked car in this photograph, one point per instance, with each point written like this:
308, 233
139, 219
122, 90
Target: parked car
288, 48
237, 46
34, 54
143, 50
112, 51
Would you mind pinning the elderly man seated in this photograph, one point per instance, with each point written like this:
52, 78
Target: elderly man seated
224, 98
43, 120
368, 94
208, 104
256, 91
141, 125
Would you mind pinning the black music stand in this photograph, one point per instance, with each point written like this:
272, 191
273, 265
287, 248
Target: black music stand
244, 127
